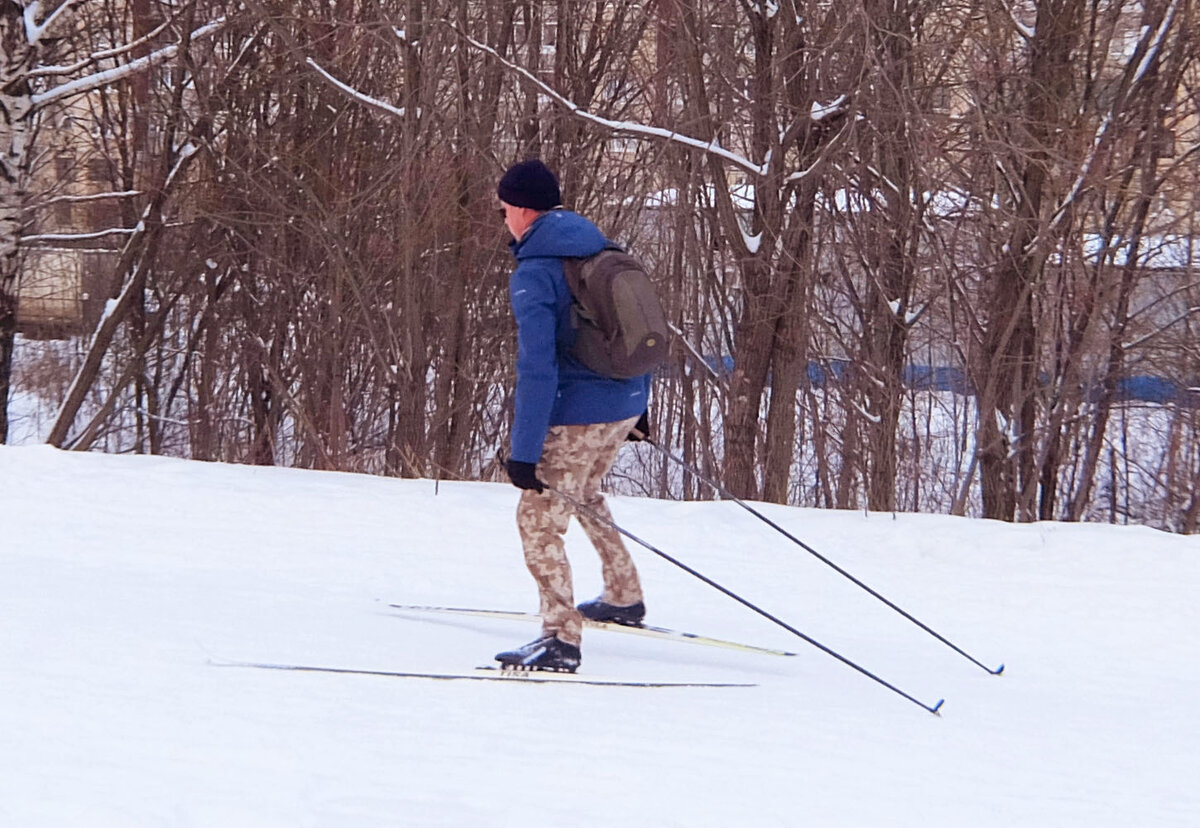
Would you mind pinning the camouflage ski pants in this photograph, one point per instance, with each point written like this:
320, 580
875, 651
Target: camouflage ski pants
575, 459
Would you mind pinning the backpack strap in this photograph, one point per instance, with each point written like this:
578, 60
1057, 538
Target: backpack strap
573, 272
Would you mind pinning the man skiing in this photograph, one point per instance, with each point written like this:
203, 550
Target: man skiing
568, 424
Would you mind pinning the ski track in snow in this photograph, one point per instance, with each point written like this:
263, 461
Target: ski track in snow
122, 577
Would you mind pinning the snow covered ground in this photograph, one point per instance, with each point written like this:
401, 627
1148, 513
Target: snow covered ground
122, 579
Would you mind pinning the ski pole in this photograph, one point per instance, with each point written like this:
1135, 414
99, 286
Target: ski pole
591, 513
728, 496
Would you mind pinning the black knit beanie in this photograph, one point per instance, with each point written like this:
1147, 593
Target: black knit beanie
530, 184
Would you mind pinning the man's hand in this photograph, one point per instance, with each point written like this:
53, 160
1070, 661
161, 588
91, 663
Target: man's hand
641, 429
524, 475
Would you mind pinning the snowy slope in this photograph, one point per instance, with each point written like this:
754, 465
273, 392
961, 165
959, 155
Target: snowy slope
122, 578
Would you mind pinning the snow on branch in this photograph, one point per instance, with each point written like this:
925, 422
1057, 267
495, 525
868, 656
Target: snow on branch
34, 30
712, 147
78, 199
53, 238
1151, 52
185, 152
1023, 29
108, 76
1159, 36
819, 111
867, 415
354, 93
90, 60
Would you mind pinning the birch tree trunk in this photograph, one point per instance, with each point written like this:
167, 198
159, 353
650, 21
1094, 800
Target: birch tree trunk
17, 57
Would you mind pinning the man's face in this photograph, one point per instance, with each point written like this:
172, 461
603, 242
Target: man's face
518, 219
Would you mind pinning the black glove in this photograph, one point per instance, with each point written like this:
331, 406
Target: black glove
524, 475
641, 429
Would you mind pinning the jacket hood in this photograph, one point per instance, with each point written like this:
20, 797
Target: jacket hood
560, 233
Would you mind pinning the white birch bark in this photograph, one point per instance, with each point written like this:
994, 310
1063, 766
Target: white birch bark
18, 54
23, 29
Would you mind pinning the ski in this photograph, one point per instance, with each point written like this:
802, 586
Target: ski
480, 674
644, 629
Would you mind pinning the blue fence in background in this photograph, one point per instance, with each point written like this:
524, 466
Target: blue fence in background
1139, 387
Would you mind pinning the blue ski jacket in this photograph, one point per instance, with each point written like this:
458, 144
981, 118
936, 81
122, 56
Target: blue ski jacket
552, 387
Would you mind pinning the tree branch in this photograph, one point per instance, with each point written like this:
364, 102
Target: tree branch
712, 147
108, 76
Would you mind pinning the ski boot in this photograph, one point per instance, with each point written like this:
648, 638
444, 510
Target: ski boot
598, 610
545, 653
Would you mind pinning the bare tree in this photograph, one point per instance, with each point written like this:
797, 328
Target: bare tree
312, 272
29, 88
